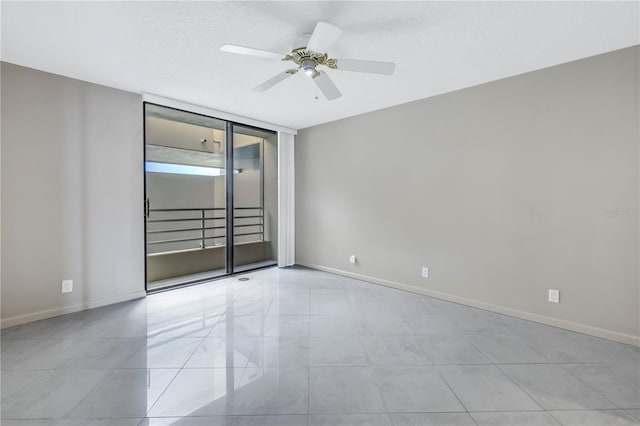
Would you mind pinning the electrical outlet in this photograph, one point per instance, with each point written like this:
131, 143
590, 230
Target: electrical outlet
554, 296
353, 259
67, 286
425, 272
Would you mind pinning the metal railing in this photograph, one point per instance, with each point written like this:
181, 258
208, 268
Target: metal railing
249, 218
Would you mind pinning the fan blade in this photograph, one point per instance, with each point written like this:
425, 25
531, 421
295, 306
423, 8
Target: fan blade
241, 50
323, 37
273, 81
372, 67
327, 87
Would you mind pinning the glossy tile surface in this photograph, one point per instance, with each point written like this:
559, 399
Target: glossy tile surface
107, 400
394, 350
520, 418
594, 418
486, 388
337, 350
51, 395
618, 383
554, 388
297, 347
634, 413
344, 390
432, 419
451, 349
272, 391
277, 420
415, 390
198, 392
350, 420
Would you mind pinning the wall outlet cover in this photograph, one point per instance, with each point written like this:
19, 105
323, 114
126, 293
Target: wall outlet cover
425, 272
554, 296
67, 286
353, 259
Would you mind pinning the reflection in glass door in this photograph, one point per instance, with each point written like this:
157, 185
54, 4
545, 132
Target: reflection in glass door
255, 198
194, 209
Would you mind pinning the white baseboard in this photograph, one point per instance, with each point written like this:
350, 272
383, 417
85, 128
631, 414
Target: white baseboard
49, 313
555, 322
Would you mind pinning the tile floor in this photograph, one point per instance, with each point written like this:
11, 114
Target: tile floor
299, 347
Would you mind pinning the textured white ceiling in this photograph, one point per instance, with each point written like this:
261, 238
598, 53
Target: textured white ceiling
172, 48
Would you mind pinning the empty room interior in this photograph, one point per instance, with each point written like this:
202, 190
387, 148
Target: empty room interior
336, 213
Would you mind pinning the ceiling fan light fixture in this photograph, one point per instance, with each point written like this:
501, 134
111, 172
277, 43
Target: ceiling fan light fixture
309, 66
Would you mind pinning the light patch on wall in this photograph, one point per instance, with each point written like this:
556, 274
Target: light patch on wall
184, 169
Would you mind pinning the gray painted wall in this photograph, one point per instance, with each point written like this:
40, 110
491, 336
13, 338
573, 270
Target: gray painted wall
71, 194
503, 190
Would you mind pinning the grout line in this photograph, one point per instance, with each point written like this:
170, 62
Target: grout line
590, 387
454, 394
554, 417
518, 385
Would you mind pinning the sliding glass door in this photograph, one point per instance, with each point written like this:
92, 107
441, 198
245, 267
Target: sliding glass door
206, 208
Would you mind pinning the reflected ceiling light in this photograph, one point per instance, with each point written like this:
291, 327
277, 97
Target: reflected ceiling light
184, 169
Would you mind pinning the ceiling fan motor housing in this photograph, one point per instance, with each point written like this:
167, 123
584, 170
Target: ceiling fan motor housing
301, 56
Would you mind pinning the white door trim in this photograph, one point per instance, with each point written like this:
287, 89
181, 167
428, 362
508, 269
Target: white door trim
286, 200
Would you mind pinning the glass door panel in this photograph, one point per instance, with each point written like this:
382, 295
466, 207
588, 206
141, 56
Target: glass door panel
185, 190
255, 198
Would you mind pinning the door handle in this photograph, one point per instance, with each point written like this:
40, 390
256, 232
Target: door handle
146, 208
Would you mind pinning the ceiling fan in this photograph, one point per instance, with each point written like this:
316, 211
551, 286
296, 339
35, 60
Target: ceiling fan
311, 53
